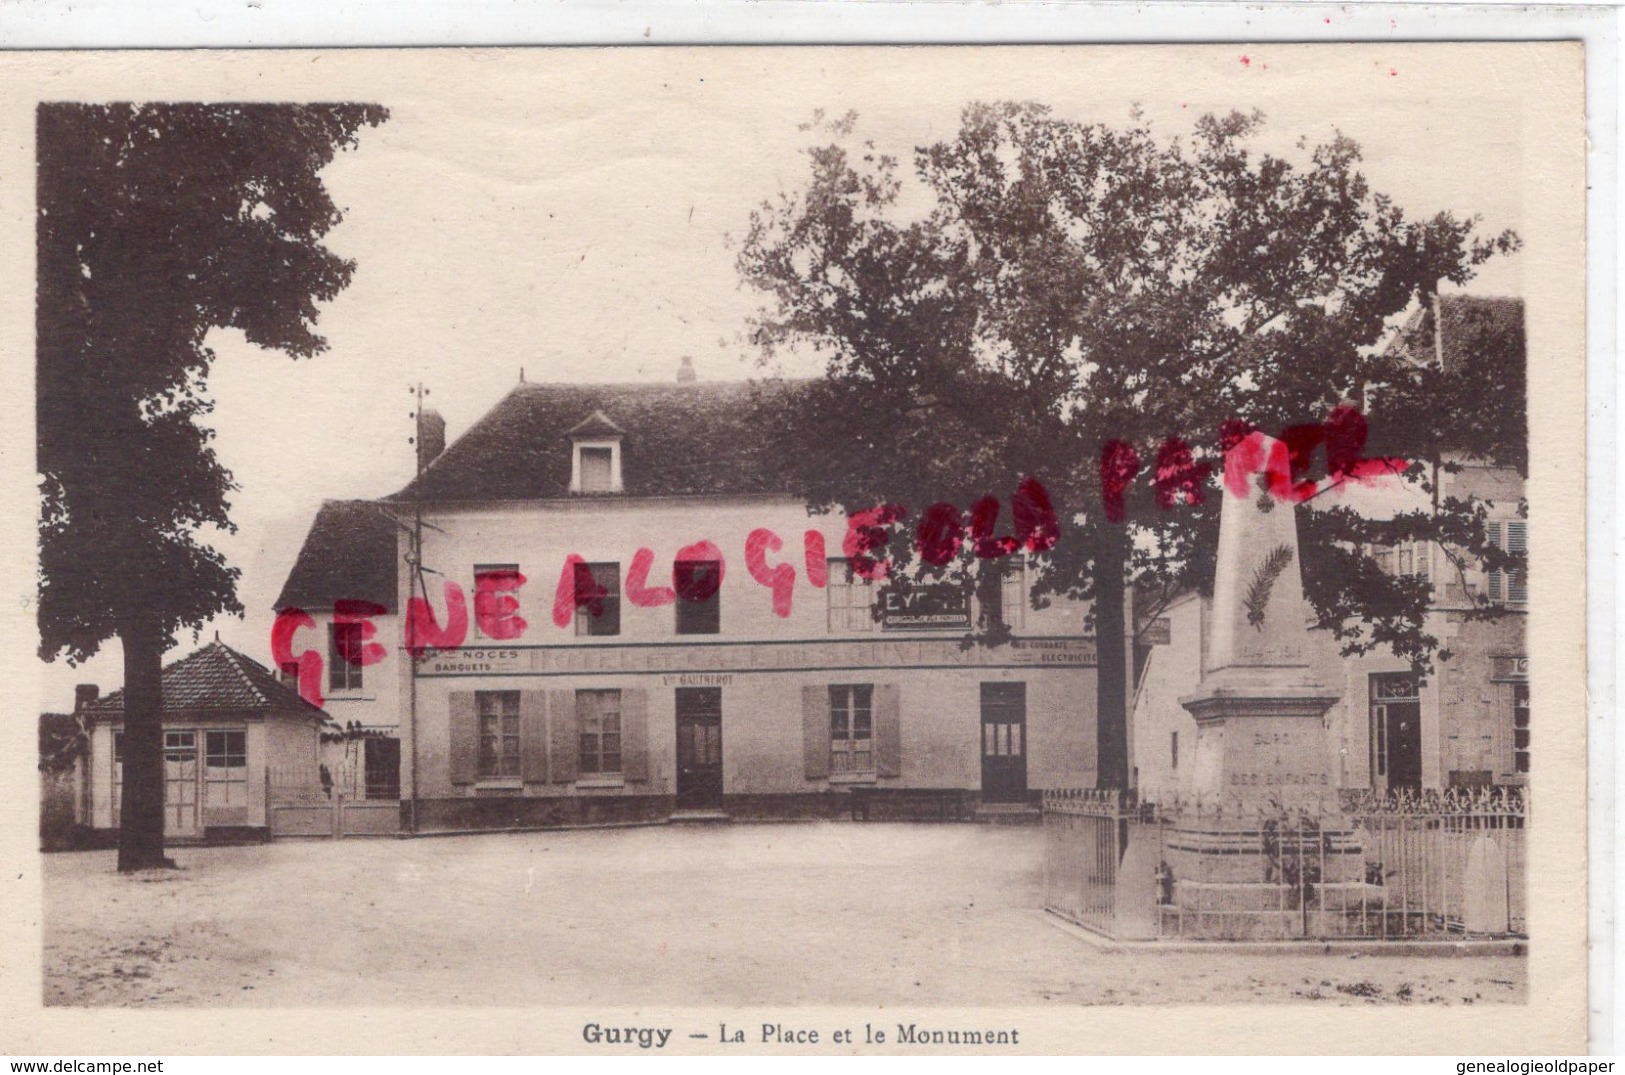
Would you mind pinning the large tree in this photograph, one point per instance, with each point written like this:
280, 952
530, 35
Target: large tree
1106, 310
157, 224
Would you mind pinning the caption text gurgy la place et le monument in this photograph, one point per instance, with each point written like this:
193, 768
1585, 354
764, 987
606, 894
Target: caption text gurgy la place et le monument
648, 1037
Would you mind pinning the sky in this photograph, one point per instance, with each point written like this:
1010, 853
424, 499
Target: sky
569, 214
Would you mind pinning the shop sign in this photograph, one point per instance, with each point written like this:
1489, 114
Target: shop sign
1052, 651
927, 608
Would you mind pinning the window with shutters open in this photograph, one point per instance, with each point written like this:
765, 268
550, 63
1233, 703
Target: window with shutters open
498, 713
599, 715
1509, 587
851, 728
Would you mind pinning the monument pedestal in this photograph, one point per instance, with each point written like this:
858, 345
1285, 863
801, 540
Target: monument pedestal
1261, 851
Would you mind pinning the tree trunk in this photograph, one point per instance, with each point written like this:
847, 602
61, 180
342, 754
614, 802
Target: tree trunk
1111, 674
141, 812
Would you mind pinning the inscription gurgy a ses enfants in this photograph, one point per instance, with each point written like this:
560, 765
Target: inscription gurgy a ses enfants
941, 534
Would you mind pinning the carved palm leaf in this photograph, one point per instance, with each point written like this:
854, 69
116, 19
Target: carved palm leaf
1258, 593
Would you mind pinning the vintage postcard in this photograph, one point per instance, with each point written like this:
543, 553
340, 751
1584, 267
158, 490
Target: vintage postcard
774, 550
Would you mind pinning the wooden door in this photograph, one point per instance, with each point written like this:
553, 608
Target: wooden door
699, 748
180, 783
1004, 742
1396, 733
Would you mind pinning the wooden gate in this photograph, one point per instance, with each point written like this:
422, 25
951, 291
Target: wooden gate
329, 804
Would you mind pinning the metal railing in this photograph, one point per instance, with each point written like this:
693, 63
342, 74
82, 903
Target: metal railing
1435, 865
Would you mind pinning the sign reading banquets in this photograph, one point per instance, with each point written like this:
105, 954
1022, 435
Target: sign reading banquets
463, 661
928, 608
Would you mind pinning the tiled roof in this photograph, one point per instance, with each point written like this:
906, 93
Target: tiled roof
217, 677
700, 438
596, 424
1467, 319
349, 555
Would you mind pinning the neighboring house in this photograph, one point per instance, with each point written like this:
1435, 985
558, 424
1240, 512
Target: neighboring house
347, 572
709, 665
63, 809
227, 721
1465, 725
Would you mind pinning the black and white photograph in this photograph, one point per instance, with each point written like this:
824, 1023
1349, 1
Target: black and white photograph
986, 542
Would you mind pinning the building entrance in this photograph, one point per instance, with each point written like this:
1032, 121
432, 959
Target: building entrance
1004, 742
1396, 733
699, 748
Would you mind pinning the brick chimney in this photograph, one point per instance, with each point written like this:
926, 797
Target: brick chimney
431, 437
85, 695
685, 371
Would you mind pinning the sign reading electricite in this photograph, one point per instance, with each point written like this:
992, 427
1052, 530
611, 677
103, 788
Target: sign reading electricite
928, 608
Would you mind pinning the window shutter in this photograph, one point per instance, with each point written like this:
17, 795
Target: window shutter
533, 736
815, 731
1518, 542
564, 746
888, 730
465, 738
635, 734
1493, 580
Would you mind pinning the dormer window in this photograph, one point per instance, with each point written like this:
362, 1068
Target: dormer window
597, 470
595, 465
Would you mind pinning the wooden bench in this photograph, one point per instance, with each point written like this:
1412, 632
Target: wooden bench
915, 804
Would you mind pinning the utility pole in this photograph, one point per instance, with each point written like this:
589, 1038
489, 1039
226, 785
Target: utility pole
416, 586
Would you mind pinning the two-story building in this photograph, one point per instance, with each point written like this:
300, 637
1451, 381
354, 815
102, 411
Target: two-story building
1465, 724
619, 616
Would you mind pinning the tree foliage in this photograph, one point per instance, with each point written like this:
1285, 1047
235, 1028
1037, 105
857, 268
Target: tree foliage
1102, 307
157, 224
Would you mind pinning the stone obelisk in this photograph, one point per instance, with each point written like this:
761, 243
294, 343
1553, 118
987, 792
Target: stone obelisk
1261, 851
1259, 708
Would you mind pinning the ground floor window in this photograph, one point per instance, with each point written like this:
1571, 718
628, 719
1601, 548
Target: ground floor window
225, 768
1520, 727
118, 774
381, 759
598, 714
498, 713
851, 728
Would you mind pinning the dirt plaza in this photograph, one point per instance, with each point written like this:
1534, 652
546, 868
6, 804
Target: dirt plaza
792, 914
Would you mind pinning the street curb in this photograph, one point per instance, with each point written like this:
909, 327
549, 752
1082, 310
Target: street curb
1507, 946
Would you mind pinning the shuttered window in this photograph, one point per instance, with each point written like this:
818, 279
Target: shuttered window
499, 733
598, 714
851, 728
1520, 727
1511, 587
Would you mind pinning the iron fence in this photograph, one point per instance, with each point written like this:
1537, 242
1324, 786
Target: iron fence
1425, 866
